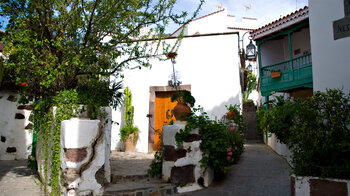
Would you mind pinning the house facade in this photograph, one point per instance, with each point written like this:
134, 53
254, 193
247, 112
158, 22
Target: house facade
285, 63
330, 44
207, 64
284, 55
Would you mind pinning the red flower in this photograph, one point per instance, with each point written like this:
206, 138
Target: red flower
284, 130
24, 84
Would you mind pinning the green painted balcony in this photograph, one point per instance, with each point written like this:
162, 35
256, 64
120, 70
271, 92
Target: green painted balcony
294, 73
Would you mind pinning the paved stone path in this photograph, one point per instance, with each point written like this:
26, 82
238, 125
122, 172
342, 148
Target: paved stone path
130, 163
16, 180
260, 171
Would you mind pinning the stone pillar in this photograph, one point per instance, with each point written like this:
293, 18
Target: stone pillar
181, 164
83, 153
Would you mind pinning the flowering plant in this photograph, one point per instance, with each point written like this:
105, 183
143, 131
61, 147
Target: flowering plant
222, 143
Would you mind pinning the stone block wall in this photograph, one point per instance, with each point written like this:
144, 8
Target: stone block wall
181, 164
15, 127
85, 154
306, 186
83, 157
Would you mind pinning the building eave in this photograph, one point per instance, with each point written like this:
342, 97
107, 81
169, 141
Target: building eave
282, 23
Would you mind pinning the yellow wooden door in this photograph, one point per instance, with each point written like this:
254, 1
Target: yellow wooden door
163, 115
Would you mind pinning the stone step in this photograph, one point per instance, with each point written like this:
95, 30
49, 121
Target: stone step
140, 188
130, 178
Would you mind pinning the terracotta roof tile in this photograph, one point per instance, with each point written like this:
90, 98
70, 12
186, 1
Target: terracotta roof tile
288, 20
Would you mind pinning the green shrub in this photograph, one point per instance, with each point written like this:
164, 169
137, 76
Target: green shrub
278, 119
155, 168
261, 119
320, 139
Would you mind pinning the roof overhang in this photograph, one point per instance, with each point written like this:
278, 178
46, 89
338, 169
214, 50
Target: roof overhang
281, 24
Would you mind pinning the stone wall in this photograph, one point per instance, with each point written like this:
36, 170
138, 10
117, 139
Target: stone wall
85, 154
181, 164
15, 127
306, 185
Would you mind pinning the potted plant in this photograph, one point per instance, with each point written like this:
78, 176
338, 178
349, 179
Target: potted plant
184, 100
129, 133
232, 111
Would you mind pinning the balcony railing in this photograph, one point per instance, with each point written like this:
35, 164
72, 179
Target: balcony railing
295, 73
295, 63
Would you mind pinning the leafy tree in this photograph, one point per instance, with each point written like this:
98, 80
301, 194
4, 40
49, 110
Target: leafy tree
64, 53
55, 45
251, 85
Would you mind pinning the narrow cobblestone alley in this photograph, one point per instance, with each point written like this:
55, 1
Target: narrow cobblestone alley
260, 171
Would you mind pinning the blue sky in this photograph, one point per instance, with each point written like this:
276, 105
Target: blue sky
265, 10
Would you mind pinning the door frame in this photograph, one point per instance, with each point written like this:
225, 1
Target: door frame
152, 107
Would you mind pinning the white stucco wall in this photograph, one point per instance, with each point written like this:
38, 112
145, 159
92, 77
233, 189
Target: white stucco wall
330, 57
272, 52
12, 131
209, 64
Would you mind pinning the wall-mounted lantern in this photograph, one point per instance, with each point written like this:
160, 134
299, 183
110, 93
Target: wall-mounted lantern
250, 51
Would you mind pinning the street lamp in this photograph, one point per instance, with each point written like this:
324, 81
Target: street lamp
250, 51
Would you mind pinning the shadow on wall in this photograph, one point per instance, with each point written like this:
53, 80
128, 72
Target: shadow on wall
220, 110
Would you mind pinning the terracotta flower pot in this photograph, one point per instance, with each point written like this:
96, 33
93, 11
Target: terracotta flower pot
231, 114
130, 143
276, 74
182, 111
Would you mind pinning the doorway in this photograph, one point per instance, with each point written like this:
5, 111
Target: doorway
160, 112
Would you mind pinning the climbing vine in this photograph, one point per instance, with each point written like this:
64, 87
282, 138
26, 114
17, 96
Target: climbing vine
48, 119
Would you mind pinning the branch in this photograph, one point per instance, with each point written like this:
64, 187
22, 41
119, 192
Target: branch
89, 27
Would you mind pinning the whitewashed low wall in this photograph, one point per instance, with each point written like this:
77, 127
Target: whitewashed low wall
15, 128
85, 156
306, 186
181, 164
279, 147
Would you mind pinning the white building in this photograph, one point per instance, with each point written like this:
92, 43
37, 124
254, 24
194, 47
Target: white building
330, 55
207, 64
